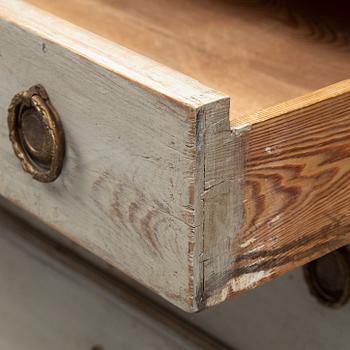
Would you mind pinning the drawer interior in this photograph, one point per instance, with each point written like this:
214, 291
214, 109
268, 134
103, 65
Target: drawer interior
258, 52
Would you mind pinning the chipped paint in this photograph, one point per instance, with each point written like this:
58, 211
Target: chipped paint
248, 242
256, 249
248, 280
241, 129
239, 284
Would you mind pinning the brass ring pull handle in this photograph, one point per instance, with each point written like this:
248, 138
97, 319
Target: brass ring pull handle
36, 134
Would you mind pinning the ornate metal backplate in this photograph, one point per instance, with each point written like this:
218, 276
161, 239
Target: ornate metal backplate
36, 134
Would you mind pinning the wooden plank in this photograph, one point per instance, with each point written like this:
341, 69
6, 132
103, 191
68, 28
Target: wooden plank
285, 200
258, 52
44, 285
129, 188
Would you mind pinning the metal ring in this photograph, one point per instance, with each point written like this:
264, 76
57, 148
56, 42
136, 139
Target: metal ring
36, 134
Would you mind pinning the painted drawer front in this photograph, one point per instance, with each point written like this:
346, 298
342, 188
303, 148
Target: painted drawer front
126, 191
51, 299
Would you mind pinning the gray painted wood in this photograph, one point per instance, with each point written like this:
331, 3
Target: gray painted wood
46, 305
129, 188
279, 315
37, 293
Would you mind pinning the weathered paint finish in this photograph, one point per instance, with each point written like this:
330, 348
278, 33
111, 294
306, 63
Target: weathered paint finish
129, 186
49, 284
159, 182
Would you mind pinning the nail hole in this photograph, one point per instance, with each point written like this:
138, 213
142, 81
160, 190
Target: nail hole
97, 347
328, 278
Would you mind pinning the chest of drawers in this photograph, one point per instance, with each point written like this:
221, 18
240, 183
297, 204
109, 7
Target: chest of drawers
198, 195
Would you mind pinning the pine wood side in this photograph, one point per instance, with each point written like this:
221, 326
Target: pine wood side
289, 192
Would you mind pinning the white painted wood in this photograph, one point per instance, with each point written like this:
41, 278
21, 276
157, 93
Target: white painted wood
46, 304
132, 180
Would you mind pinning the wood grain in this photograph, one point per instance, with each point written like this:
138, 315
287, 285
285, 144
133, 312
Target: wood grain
128, 190
259, 52
164, 181
47, 284
295, 179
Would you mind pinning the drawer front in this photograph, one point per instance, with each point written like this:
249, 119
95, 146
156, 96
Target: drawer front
126, 191
52, 299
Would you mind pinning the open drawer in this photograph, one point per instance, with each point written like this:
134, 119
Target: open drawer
162, 178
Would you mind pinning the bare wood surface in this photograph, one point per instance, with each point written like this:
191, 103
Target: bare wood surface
258, 52
292, 191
